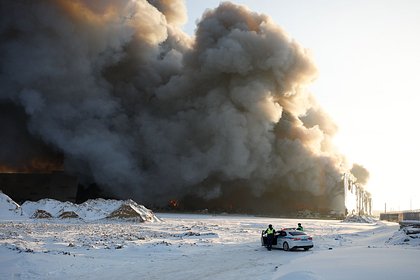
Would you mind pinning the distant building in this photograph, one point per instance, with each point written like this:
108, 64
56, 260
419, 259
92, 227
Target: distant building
398, 216
349, 199
357, 200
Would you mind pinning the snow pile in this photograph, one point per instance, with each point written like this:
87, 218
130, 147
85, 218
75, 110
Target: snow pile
9, 210
406, 236
359, 219
95, 209
410, 223
130, 210
51, 206
91, 210
411, 230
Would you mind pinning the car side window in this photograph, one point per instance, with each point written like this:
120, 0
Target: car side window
282, 233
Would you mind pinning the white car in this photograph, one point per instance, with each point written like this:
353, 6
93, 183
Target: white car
289, 239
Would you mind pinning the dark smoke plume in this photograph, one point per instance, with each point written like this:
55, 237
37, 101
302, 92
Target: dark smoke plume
220, 120
361, 174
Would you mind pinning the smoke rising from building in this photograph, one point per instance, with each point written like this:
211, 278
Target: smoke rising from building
131, 102
360, 173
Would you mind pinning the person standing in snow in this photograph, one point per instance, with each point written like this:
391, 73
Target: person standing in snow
299, 227
270, 231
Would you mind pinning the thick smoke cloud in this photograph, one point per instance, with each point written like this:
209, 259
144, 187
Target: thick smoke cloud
137, 106
20, 150
361, 173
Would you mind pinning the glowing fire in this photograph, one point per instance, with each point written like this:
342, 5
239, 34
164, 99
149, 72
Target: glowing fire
36, 165
173, 203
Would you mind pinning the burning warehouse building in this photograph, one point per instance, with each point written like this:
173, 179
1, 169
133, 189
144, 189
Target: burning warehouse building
358, 201
60, 186
130, 102
35, 186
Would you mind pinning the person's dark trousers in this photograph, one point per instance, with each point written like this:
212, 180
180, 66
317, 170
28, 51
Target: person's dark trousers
270, 238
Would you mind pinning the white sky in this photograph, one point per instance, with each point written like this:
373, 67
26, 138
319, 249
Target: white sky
368, 56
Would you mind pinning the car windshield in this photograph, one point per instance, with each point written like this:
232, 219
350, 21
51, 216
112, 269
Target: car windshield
294, 233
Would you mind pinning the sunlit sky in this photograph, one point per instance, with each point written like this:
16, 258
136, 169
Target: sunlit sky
368, 57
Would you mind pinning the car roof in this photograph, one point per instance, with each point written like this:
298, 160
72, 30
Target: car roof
294, 232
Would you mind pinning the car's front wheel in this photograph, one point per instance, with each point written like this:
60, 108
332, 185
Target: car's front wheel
286, 246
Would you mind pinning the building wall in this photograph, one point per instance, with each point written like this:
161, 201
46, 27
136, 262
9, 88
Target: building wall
35, 186
400, 216
357, 200
415, 216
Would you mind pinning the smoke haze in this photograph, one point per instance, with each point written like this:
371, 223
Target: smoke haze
131, 102
360, 173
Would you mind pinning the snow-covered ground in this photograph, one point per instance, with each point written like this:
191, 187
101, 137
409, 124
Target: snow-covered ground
187, 246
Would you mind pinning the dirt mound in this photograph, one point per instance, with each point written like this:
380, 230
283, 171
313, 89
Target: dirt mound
130, 210
69, 215
41, 214
126, 212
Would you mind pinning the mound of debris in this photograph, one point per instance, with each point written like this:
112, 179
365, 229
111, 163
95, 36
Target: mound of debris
129, 210
359, 219
41, 214
51, 206
95, 209
68, 215
9, 209
406, 236
410, 225
91, 210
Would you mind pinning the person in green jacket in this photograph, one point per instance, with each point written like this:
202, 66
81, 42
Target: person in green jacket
299, 227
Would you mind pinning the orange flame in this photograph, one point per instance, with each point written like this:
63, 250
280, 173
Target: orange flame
36, 165
173, 203
83, 12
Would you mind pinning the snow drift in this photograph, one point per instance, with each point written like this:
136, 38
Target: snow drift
91, 210
8, 208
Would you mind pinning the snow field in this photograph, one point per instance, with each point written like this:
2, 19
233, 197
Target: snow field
185, 246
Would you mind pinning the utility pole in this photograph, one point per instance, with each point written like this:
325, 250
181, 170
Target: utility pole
385, 207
